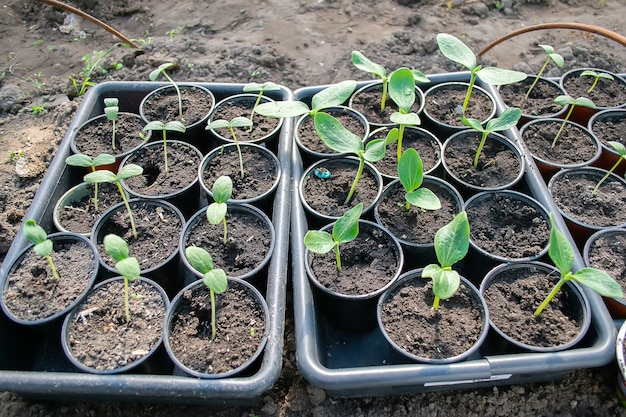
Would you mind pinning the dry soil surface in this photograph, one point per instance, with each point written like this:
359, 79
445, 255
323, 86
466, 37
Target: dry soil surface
297, 44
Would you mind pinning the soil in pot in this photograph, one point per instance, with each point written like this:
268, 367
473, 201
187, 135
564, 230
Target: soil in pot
424, 142
162, 105
309, 139
242, 106
367, 102
249, 240
96, 135
98, 335
240, 323
441, 104
260, 170
540, 101
80, 215
409, 320
498, 165
609, 125
513, 298
182, 159
32, 293
608, 253
507, 225
328, 195
606, 93
572, 193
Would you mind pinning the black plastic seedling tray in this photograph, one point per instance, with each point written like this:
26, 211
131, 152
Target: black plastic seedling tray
34, 366
349, 364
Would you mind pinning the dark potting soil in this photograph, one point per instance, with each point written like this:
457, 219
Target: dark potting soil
99, 335
261, 125
240, 326
606, 93
412, 323
540, 101
572, 193
610, 128
248, 242
608, 253
81, 215
368, 104
513, 299
368, 263
328, 195
427, 147
96, 137
32, 293
260, 172
307, 135
163, 106
507, 227
416, 225
497, 166
182, 162
158, 231
442, 105
574, 146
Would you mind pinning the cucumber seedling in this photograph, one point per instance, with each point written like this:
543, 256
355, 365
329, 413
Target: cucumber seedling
43, 246
111, 110
239, 121
567, 100
216, 211
85, 161
411, 175
597, 76
173, 126
621, 150
402, 92
552, 56
162, 70
127, 266
261, 88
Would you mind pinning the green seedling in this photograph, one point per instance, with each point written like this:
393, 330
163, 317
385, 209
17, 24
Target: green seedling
456, 51
507, 120
451, 245
162, 70
567, 100
127, 266
85, 161
173, 126
38, 110
339, 139
216, 211
43, 246
552, 56
261, 88
562, 255
402, 92
127, 171
214, 278
92, 62
621, 150
596, 77
111, 110
225, 124
364, 64
411, 174
345, 229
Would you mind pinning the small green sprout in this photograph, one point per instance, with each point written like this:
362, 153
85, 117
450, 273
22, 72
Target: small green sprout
552, 56
564, 101
43, 246
339, 139
236, 122
621, 150
173, 126
345, 229
261, 88
562, 255
127, 266
127, 171
111, 110
161, 70
456, 51
411, 174
214, 278
451, 245
85, 161
216, 211
402, 92
596, 77
507, 120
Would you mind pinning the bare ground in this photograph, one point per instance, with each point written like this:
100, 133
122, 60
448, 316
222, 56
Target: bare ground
296, 44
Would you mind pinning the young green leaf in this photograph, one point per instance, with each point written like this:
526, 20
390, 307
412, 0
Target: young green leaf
567, 100
42, 245
552, 56
127, 266
162, 70
621, 150
410, 172
596, 77
116, 247
560, 251
456, 51
402, 89
364, 64
216, 211
333, 96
